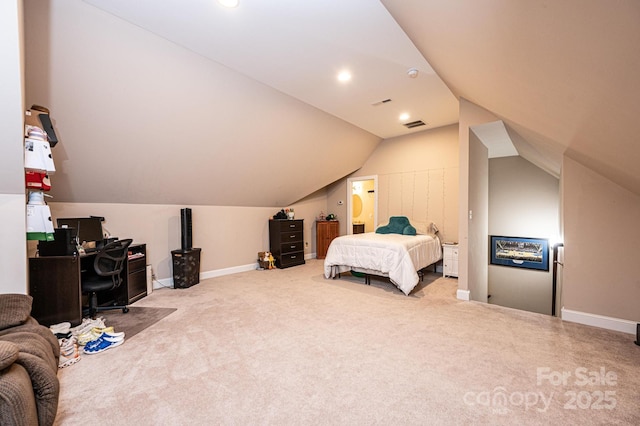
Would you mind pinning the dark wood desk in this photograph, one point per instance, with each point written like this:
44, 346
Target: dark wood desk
55, 285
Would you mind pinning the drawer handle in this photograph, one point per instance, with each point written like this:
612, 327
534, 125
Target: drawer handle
293, 257
293, 246
292, 236
292, 226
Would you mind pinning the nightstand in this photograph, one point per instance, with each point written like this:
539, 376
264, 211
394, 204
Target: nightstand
450, 260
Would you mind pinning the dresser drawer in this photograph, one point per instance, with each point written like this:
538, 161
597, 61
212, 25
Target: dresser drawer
291, 259
290, 225
137, 264
291, 237
291, 247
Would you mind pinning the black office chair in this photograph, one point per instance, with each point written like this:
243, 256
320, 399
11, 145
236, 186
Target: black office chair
108, 266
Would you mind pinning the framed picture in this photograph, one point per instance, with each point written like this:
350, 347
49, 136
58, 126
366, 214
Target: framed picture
529, 253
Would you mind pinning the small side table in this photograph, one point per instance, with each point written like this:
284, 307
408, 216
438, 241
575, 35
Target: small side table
450, 260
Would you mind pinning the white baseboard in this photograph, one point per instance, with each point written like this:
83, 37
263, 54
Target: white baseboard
228, 271
609, 323
168, 282
163, 283
463, 294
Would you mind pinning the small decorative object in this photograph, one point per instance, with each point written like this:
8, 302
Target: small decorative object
322, 216
272, 262
530, 253
280, 215
290, 214
263, 259
331, 216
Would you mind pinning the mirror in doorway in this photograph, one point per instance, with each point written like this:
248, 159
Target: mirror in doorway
356, 203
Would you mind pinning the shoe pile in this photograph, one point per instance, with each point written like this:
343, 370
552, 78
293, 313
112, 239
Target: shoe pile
92, 334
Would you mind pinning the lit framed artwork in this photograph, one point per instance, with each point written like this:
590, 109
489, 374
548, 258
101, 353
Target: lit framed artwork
517, 252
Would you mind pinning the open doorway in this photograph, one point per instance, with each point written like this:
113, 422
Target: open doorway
362, 202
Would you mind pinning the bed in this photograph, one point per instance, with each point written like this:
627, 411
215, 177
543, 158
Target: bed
401, 258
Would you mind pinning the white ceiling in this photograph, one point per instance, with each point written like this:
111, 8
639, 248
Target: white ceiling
496, 138
298, 48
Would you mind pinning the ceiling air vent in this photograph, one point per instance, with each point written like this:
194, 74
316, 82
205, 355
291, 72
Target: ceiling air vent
384, 101
413, 124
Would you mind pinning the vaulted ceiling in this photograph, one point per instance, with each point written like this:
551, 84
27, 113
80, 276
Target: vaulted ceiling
188, 103
562, 75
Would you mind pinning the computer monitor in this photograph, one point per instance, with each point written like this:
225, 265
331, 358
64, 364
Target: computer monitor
88, 228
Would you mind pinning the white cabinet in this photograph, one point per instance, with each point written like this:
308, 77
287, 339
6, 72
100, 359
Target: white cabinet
449, 260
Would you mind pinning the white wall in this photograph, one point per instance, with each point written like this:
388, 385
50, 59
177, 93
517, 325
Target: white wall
601, 233
417, 178
523, 202
478, 219
12, 193
470, 115
230, 237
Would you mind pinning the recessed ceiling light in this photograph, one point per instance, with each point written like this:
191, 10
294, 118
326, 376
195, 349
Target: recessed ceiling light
404, 116
344, 76
229, 3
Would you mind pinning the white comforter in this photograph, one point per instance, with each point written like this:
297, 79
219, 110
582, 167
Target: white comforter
393, 255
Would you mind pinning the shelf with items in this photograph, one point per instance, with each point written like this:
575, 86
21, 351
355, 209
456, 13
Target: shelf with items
39, 138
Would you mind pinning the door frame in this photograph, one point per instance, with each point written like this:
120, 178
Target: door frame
350, 182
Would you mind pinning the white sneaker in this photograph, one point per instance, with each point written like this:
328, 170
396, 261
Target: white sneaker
69, 352
62, 328
87, 325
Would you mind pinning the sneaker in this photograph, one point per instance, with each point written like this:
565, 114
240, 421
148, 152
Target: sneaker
86, 326
112, 337
68, 346
62, 328
93, 334
69, 353
67, 361
102, 344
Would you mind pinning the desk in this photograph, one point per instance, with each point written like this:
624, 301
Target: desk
55, 285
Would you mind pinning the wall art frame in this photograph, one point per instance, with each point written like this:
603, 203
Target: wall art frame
519, 252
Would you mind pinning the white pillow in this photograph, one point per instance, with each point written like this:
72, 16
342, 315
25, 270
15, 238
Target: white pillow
424, 228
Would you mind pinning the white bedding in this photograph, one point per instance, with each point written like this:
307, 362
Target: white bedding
397, 256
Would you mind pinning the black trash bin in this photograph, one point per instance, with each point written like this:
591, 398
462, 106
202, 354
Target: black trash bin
186, 267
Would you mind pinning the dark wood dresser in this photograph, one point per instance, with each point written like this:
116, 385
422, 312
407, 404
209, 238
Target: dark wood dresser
326, 231
286, 242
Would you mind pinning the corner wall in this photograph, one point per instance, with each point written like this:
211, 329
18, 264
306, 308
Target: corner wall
13, 246
523, 202
601, 269
470, 115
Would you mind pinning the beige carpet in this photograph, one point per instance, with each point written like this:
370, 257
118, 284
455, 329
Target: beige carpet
287, 347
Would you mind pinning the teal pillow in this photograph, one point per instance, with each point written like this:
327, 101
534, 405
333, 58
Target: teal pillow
397, 225
409, 230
